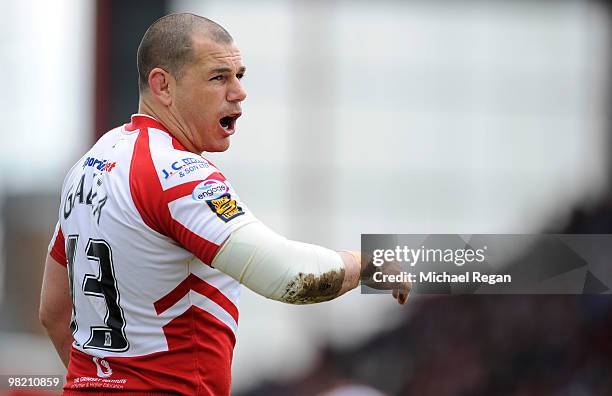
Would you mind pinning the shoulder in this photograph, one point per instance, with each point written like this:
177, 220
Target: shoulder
161, 161
175, 166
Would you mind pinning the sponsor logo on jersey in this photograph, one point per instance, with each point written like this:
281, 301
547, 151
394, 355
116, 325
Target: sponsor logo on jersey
209, 189
225, 207
103, 369
101, 165
184, 167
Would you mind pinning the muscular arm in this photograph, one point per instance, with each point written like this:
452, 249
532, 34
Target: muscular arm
56, 308
288, 271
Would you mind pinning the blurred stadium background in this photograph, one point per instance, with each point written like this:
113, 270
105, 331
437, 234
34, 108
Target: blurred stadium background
362, 117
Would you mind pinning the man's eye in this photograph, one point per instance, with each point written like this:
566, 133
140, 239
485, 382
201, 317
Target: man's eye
239, 76
217, 78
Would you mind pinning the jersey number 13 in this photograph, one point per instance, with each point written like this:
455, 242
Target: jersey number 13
111, 336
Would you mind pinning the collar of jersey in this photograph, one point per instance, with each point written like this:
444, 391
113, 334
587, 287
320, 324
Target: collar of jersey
141, 121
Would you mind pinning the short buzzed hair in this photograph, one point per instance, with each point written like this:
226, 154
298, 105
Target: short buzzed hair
168, 44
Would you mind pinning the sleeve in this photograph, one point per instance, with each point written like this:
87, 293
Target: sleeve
57, 247
186, 198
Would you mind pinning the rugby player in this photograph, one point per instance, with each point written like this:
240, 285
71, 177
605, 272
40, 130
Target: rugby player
143, 274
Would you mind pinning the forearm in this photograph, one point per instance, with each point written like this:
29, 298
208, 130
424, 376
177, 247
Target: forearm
56, 308
290, 271
62, 340
284, 270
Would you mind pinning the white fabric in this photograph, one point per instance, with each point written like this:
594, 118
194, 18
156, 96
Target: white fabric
270, 264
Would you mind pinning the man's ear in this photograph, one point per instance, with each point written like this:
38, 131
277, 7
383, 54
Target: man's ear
160, 82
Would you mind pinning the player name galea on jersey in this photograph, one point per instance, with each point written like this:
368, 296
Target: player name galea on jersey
141, 219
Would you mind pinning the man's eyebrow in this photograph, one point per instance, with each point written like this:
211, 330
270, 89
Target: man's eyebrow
225, 69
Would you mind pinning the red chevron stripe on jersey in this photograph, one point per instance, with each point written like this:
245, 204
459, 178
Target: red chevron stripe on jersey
194, 283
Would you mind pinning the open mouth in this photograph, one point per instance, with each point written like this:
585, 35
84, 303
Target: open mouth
228, 123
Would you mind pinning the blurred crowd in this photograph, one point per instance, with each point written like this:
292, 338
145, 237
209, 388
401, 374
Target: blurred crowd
506, 345
478, 345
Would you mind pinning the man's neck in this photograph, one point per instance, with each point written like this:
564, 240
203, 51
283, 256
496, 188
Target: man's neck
169, 120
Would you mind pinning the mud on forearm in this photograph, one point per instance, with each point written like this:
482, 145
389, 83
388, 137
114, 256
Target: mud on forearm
311, 288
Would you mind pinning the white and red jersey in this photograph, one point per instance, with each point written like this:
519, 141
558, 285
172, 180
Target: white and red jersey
140, 222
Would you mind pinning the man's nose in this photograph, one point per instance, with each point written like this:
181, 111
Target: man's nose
237, 93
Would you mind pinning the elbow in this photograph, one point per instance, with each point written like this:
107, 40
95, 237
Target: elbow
48, 317
44, 317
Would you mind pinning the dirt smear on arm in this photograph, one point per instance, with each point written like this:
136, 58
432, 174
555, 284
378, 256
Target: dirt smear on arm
313, 288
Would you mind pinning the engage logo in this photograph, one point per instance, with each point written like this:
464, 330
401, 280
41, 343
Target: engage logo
209, 189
